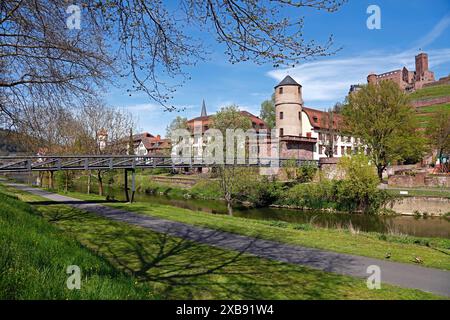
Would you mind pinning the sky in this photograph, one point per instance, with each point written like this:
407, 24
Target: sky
407, 28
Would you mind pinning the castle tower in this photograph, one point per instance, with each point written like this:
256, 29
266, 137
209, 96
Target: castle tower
421, 65
372, 78
288, 107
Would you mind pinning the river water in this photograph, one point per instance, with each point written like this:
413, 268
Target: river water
422, 227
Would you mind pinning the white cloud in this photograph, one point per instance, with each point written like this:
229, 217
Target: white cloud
329, 80
150, 107
435, 33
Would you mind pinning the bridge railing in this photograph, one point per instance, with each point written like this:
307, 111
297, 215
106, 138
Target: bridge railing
110, 162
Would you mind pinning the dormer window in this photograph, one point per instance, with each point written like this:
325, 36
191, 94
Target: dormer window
315, 119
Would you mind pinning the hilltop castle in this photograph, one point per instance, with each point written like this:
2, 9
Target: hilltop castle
406, 79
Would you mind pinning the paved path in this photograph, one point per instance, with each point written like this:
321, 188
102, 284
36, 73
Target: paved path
401, 274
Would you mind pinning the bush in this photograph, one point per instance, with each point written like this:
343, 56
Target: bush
311, 196
357, 192
306, 172
261, 192
64, 180
359, 189
303, 173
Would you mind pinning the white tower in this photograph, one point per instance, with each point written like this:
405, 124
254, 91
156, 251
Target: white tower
288, 107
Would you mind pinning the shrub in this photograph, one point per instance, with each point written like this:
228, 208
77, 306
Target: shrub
312, 196
306, 172
357, 192
64, 180
359, 189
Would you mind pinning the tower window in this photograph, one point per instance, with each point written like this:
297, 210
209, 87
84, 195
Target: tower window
281, 115
298, 89
281, 132
280, 90
300, 115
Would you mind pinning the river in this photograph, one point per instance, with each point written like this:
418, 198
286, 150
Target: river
422, 227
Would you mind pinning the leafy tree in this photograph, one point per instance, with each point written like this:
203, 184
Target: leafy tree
359, 189
438, 132
177, 123
229, 176
267, 112
381, 116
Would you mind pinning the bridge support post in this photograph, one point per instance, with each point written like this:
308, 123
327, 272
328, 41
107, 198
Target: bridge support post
133, 184
127, 196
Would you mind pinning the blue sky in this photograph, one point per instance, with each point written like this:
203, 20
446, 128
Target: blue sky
407, 26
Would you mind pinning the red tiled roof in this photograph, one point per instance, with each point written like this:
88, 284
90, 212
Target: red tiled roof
318, 118
150, 141
253, 118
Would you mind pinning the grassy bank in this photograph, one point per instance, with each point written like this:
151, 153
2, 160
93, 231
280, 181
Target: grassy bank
162, 266
35, 255
433, 251
420, 192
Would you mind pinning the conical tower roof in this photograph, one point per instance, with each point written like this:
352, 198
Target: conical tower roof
288, 81
203, 114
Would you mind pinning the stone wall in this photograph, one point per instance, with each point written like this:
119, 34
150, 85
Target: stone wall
430, 102
296, 150
420, 179
430, 205
329, 168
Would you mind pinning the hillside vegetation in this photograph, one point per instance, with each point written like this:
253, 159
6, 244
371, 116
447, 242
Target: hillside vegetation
424, 114
431, 92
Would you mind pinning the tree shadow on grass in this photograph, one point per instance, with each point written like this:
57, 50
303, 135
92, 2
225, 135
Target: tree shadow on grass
181, 268
178, 268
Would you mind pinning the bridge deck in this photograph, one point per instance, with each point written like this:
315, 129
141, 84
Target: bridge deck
110, 162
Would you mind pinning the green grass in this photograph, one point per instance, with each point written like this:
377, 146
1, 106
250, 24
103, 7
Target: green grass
431, 92
35, 255
421, 192
433, 251
425, 114
162, 266
434, 108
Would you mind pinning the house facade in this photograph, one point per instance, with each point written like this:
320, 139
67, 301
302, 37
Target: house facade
304, 133
199, 125
145, 144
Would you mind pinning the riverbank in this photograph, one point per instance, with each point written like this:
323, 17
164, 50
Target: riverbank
200, 199
163, 266
432, 252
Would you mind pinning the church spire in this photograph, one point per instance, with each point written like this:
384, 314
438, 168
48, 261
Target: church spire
203, 114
